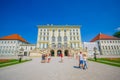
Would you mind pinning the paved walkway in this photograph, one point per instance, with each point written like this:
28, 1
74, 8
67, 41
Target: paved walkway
34, 70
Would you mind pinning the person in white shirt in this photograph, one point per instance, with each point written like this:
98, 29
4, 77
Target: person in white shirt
81, 60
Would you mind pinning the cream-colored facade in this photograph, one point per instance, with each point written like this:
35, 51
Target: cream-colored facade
109, 47
55, 39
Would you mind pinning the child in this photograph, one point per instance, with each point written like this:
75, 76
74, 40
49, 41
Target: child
84, 61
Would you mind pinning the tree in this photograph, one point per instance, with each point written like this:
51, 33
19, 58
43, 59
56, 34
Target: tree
117, 34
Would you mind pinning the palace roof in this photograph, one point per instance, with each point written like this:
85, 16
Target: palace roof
13, 37
58, 26
104, 37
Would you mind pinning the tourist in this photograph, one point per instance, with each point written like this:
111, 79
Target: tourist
95, 58
81, 60
43, 58
61, 56
85, 61
49, 58
46, 57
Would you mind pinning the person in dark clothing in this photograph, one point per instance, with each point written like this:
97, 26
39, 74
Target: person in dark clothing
95, 58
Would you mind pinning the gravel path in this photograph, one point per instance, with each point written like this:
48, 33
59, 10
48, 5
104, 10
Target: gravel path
34, 70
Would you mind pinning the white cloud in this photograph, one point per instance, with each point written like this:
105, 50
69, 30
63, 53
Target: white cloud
118, 29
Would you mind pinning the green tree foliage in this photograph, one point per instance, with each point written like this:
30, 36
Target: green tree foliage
117, 34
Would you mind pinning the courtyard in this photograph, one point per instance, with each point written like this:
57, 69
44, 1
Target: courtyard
68, 70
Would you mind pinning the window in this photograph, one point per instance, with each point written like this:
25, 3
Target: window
74, 38
77, 33
53, 30
53, 45
47, 38
117, 47
43, 45
71, 45
59, 30
113, 41
43, 38
40, 38
47, 33
110, 41
114, 47
59, 39
73, 33
111, 47
64, 30
53, 38
31, 48
59, 45
103, 47
40, 33
106, 47
70, 38
104, 41
65, 38
77, 38
118, 41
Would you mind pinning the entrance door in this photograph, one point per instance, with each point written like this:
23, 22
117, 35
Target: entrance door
66, 52
52, 52
25, 53
59, 52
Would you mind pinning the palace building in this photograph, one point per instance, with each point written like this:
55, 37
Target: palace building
56, 39
9, 45
108, 45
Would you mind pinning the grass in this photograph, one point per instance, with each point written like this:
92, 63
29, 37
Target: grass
2, 61
8, 62
109, 61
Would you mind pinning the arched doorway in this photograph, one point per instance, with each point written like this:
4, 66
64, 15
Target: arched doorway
59, 52
52, 52
66, 53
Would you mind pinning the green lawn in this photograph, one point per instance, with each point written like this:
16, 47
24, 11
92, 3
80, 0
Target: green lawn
8, 62
109, 61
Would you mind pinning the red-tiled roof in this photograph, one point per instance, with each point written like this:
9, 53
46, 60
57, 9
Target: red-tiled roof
13, 37
104, 37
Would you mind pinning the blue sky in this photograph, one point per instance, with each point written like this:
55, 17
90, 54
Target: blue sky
23, 16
